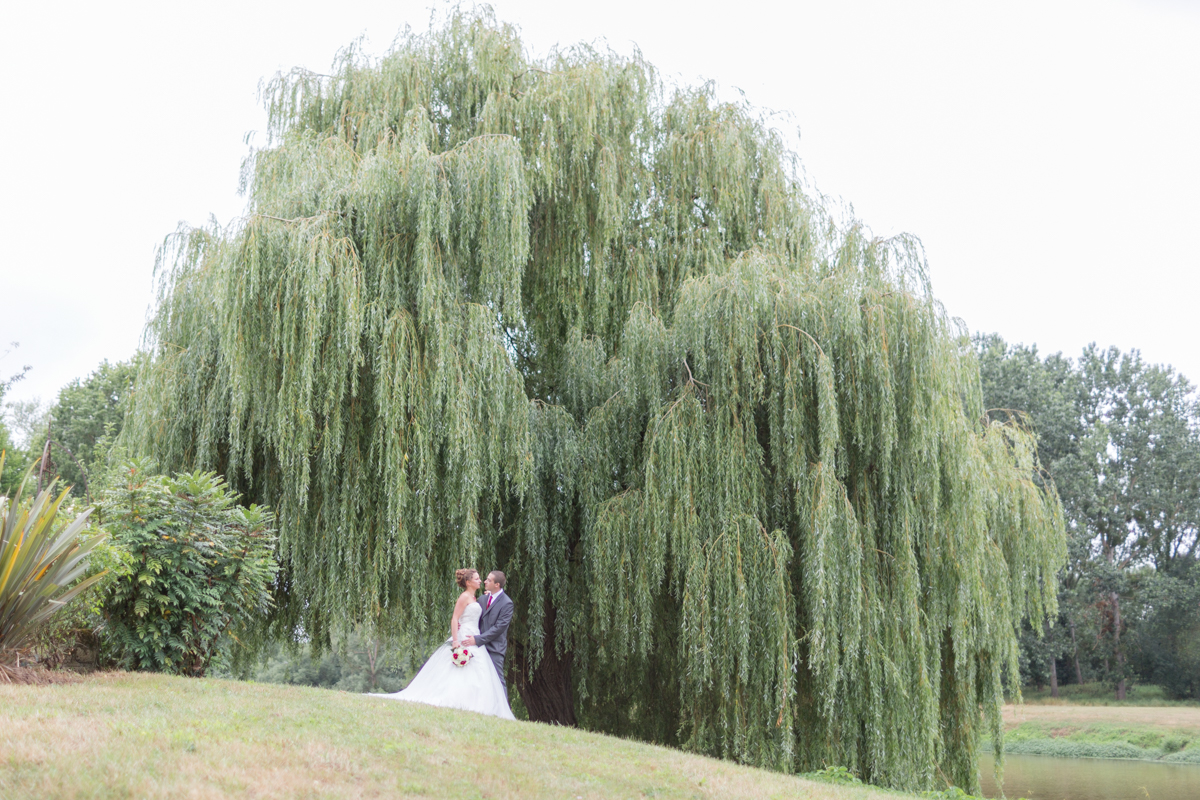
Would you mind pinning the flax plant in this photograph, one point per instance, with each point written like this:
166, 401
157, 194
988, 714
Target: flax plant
548, 315
40, 564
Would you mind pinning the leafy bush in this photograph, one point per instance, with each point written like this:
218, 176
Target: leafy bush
1188, 755
835, 775
199, 567
1101, 740
953, 793
1170, 642
38, 563
1174, 744
1067, 748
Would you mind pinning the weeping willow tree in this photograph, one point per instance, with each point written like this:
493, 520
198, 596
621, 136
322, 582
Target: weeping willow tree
548, 316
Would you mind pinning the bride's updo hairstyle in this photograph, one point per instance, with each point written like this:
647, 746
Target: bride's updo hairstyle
464, 575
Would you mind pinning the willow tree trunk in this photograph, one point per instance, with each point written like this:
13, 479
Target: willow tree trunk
545, 690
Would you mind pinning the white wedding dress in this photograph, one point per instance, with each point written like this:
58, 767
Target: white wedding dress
475, 687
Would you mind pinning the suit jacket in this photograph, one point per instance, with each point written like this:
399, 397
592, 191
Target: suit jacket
493, 624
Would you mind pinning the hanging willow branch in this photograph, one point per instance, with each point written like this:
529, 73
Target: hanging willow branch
544, 316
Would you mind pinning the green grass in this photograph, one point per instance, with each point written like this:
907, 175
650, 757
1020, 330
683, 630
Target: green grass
121, 735
1104, 740
1102, 694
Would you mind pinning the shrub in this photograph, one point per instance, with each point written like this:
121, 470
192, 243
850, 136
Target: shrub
835, 775
38, 563
953, 793
1188, 755
1174, 744
199, 568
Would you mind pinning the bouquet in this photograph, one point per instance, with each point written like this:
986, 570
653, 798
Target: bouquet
460, 655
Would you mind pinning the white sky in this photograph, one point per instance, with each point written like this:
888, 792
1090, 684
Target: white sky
1047, 153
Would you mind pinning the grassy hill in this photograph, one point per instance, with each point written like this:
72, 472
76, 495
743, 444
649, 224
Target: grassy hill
136, 735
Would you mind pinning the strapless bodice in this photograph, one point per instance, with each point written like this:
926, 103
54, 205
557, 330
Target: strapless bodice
468, 623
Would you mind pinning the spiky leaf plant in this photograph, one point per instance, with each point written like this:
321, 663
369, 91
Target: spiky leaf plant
40, 563
549, 316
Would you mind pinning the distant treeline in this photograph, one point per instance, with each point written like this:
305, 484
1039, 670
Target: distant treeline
1120, 439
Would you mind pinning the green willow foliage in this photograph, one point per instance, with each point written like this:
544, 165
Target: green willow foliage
549, 316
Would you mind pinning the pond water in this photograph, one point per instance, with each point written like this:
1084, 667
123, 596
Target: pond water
1045, 778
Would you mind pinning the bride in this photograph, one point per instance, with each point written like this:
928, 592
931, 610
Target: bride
441, 682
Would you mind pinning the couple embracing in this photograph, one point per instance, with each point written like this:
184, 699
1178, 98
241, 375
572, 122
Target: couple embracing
467, 671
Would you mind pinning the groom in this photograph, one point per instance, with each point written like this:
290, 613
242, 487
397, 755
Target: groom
493, 623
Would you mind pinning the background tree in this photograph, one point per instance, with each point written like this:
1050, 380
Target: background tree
1120, 438
1169, 642
1138, 483
87, 411
545, 315
15, 463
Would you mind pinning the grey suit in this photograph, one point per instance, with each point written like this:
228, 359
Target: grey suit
493, 629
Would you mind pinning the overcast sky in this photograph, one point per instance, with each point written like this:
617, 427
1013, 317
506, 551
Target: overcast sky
1046, 153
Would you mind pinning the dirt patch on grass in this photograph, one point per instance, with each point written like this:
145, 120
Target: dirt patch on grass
1186, 717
